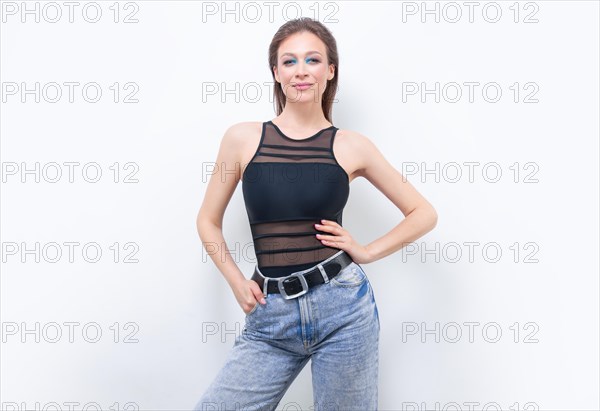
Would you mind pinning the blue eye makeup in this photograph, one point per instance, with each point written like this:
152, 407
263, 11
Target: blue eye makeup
316, 60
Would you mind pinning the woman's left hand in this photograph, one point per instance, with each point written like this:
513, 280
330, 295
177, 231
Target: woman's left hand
341, 238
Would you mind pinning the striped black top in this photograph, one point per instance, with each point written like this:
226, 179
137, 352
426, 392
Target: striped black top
288, 186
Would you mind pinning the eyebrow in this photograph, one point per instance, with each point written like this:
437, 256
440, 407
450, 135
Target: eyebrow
292, 54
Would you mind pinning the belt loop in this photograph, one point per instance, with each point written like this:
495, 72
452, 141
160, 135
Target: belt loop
323, 273
265, 289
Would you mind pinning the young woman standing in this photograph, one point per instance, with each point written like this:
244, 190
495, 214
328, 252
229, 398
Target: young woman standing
309, 297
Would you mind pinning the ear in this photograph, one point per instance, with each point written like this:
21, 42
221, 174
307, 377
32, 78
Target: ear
276, 74
331, 72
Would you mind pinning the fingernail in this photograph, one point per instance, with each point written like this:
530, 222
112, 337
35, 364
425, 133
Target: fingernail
262, 300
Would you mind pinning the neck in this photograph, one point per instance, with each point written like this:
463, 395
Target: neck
305, 116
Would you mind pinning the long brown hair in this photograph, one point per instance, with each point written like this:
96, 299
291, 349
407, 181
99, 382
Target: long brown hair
300, 25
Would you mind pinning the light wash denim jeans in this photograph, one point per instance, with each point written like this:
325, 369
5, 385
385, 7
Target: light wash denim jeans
335, 324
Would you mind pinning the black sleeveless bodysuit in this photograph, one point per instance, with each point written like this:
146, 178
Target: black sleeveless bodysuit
288, 186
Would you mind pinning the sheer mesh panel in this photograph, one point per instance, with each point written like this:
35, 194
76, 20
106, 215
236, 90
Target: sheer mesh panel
289, 245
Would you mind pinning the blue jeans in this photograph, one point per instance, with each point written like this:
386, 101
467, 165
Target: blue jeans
336, 324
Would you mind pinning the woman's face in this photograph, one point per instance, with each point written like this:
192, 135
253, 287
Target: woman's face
302, 67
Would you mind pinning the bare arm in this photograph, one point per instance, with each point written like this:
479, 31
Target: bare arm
209, 221
221, 187
420, 216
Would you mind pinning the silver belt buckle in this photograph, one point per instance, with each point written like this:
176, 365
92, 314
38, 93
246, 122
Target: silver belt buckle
302, 281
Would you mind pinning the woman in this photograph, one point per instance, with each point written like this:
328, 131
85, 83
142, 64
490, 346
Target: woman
308, 297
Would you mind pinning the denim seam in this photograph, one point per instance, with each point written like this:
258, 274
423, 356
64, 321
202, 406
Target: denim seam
338, 284
254, 309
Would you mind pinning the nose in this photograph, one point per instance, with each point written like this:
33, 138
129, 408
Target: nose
301, 68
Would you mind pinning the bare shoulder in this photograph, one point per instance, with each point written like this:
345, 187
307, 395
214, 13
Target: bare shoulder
240, 133
241, 141
353, 150
241, 137
354, 139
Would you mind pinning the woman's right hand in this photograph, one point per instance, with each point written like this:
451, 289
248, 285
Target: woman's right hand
248, 294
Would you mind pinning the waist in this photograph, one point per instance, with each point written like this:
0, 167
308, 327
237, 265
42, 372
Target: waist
283, 264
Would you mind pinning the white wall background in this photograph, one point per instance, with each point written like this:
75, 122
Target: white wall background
541, 215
